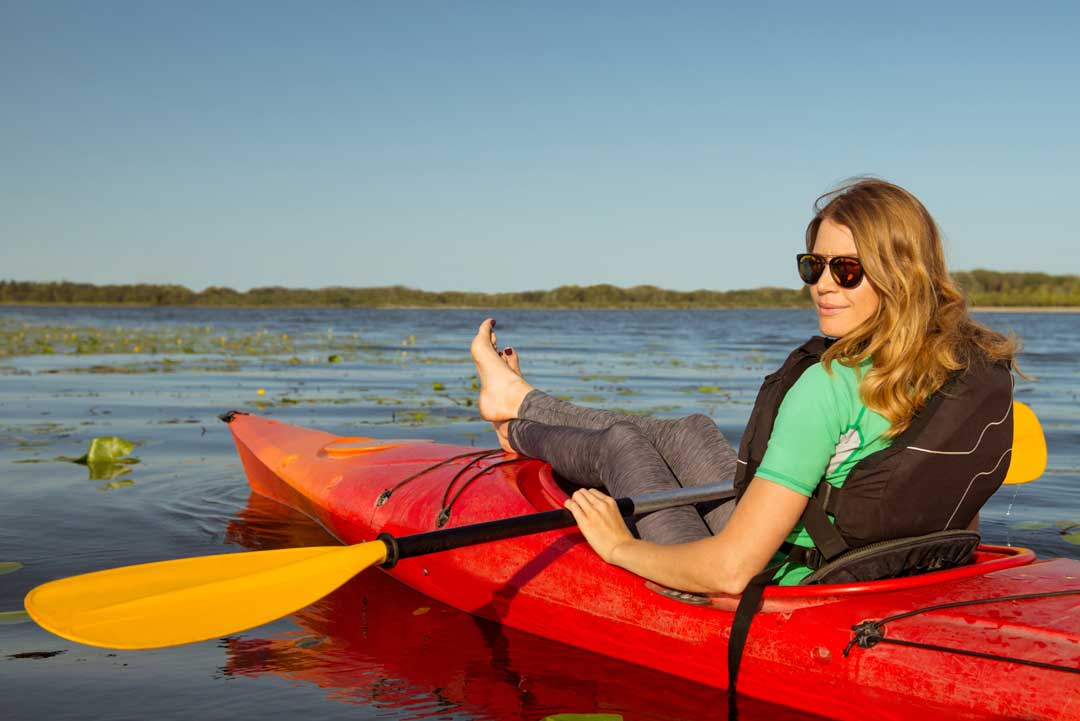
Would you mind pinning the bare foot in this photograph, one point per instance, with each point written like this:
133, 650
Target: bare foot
501, 388
502, 429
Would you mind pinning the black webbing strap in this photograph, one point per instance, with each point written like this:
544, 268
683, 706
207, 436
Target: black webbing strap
744, 616
815, 519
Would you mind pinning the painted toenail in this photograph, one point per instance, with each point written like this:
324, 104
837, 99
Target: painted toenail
509, 351
492, 322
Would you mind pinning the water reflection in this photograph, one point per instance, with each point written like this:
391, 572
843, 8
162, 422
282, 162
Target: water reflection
376, 643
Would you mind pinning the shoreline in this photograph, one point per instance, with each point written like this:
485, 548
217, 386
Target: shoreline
973, 309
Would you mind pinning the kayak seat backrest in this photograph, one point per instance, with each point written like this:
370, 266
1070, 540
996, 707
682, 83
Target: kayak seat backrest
899, 557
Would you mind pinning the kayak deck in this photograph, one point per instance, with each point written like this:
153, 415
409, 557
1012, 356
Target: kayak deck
551, 584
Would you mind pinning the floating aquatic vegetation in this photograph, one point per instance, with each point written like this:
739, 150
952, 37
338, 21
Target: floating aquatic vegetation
413, 418
11, 617
35, 654
291, 401
1030, 526
334, 359
26, 339
438, 387
1068, 530
9, 567
107, 458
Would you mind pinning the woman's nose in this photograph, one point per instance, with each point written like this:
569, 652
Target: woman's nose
825, 283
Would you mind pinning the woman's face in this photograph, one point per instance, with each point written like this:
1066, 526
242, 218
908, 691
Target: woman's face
840, 310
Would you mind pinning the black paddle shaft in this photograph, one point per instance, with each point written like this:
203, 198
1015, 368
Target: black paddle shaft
422, 544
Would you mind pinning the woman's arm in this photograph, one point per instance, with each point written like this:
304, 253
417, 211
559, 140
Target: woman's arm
724, 563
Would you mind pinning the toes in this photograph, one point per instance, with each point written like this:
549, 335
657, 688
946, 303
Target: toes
485, 336
512, 360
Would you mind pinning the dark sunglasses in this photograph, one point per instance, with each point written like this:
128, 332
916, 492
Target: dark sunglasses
846, 270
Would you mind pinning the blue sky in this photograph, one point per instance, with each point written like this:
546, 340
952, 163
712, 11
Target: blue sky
509, 146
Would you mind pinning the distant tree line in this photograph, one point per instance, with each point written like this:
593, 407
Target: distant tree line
983, 288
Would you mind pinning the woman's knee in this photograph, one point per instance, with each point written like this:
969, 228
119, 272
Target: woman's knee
700, 426
622, 435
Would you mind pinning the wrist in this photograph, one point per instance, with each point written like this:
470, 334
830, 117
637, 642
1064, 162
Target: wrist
621, 552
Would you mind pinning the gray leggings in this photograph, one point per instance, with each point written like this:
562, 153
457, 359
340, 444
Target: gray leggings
630, 455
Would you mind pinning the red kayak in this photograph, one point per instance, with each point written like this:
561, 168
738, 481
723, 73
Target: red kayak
973, 660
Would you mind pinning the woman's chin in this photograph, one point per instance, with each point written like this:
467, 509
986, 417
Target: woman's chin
833, 327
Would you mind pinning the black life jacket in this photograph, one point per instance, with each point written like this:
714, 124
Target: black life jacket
902, 506
935, 476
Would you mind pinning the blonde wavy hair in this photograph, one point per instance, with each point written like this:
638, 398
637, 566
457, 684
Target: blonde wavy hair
921, 333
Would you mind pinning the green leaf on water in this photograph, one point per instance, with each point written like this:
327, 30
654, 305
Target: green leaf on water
106, 458
9, 567
108, 449
334, 359
1073, 538
10, 617
584, 717
438, 387
1030, 526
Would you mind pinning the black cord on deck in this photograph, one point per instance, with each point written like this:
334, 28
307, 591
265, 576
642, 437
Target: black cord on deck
459, 474
385, 495
870, 633
444, 513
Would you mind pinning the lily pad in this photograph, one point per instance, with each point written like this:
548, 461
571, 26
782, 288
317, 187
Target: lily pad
1031, 526
108, 449
9, 567
107, 458
11, 617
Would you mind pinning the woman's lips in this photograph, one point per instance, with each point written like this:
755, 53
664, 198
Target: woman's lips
831, 309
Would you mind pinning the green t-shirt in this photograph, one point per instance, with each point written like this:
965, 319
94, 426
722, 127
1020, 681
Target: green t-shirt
822, 430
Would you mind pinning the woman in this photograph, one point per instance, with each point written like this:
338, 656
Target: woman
877, 278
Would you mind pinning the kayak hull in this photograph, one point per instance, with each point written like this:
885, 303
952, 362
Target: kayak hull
553, 585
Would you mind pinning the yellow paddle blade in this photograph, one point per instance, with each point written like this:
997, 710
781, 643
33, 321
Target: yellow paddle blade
193, 599
1029, 446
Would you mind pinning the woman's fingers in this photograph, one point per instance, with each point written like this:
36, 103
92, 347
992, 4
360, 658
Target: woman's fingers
599, 520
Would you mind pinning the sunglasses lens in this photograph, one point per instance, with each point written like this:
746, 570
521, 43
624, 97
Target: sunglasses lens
810, 268
847, 272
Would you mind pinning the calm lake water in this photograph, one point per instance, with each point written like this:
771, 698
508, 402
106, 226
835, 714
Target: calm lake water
160, 377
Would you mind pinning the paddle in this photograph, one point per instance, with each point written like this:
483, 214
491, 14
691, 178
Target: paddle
194, 599
1029, 446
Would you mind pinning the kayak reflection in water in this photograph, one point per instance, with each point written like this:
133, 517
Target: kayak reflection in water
876, 272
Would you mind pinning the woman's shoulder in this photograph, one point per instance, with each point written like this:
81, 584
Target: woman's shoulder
836, 378
820, 389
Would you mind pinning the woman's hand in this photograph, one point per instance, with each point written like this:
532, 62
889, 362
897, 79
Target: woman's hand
600, 522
